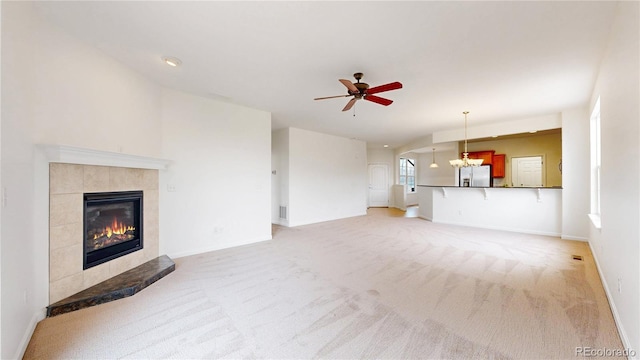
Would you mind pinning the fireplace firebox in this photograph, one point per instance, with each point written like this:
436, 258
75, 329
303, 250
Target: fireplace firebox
112, 225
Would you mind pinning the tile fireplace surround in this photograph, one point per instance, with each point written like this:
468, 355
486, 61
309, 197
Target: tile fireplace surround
67, 184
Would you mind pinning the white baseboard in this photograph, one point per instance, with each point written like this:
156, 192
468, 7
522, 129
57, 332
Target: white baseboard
570, 237
320, 220
26, 337
214, 248
501, 228
612, 305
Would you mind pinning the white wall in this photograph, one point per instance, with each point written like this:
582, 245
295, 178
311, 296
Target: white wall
59, 90
575, 174
1, 187
399, 196
419, 144
220, 170
617, 246
444, 174
88, 100
18, 266
546, 122
327, 177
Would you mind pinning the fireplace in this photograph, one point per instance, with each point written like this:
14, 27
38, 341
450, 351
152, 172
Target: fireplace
112, 226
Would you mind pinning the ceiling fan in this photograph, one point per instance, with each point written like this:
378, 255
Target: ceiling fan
362, 91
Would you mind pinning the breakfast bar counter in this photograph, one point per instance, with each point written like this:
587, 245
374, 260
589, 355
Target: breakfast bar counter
526, 210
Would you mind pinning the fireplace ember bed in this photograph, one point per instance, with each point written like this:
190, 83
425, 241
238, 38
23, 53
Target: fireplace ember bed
112, 226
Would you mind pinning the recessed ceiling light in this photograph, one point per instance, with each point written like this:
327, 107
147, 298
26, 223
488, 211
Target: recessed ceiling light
172, 61
385, 145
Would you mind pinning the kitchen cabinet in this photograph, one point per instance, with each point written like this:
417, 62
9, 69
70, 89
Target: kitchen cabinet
498, 165
486, 156
489, 157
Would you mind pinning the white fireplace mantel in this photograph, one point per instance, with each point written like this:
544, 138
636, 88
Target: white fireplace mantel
75, 155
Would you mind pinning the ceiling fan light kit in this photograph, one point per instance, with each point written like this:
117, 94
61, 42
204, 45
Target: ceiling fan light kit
360, 90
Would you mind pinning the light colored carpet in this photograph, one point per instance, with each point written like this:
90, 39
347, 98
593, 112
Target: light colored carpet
375, 286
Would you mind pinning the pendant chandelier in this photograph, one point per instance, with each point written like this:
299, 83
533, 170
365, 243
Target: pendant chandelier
465, 161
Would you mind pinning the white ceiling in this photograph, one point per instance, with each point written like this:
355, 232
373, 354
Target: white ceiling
499, 60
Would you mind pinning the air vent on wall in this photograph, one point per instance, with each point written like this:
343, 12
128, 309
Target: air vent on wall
283, 212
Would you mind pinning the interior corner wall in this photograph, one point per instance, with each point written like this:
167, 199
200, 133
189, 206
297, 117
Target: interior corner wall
219, 179
279, 175
575, 174
75, 100
616, 245
327, 177
221, 152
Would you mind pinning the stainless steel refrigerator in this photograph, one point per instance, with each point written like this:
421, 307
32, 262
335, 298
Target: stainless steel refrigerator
476, 176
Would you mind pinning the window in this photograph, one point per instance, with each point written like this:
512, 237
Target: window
595, 145
408, 174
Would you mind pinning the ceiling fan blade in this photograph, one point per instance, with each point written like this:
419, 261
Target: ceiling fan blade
386, 87
331, 97
349, 104
378, 100
352, 88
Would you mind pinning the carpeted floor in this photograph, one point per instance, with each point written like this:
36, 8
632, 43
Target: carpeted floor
375, 286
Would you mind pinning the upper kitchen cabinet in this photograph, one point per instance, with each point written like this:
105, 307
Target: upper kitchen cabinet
489, 157
486, 156
498, 165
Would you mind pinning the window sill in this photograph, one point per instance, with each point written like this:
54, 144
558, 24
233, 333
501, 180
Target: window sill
595, 220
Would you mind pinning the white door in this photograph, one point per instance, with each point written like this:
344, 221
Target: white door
526, 171
378, 185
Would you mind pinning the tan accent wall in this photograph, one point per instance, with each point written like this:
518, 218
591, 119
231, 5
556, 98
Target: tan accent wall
548, 144
67, 184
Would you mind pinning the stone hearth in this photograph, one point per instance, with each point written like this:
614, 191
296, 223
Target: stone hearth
126, 284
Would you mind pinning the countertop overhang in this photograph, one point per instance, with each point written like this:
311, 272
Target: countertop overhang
492, 187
